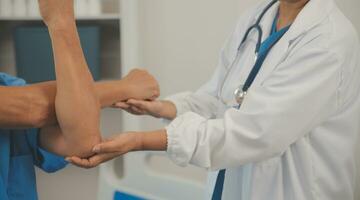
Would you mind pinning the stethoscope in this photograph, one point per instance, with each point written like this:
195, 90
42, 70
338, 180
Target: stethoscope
241, 91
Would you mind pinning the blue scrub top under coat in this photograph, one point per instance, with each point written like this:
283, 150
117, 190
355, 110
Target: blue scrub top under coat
19, 153
265, 48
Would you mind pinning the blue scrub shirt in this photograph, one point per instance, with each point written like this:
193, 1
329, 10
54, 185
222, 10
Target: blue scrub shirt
19, 153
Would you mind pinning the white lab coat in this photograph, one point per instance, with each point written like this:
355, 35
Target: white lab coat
294, 136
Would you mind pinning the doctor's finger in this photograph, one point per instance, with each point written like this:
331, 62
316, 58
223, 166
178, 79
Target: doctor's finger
137, 110
144, 105
111, 146
126, 107
83, 163
101, 158
131, 111
93, 161
154, 97
121, 105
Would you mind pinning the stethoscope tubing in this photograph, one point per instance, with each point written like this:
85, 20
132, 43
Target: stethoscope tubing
258, 28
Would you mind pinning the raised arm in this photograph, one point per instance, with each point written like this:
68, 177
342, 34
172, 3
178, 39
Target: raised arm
76, 104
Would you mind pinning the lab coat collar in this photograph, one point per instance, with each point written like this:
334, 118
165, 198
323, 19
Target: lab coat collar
312, 14
308, 18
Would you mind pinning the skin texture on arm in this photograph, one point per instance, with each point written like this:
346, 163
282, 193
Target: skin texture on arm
33, 106
76, 104
26, 107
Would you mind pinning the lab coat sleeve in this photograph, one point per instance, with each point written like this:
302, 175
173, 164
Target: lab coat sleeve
205, 101
286, 106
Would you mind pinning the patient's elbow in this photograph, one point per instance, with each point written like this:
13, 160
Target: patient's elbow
84, 148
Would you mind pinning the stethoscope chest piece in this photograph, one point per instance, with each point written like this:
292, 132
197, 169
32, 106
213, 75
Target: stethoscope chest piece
239, 94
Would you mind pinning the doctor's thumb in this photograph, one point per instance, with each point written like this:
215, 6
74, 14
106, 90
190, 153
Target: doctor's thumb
105, 147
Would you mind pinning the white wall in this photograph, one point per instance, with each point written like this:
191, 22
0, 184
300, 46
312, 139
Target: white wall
185, 36
351, 10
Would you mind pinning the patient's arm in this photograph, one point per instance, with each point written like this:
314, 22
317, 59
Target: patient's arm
54, 138
33, 106
138, 83
76, 104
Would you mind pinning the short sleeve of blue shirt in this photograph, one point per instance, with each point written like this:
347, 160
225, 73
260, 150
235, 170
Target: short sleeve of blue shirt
45, 160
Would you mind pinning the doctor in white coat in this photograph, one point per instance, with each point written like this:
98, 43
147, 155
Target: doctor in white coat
294, 134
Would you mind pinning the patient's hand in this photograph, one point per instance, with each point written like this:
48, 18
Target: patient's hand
56, 12
142, 85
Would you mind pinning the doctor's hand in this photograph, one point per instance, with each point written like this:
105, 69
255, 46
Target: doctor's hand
57, 13
141, 85
122, 144
155, 108
108, 150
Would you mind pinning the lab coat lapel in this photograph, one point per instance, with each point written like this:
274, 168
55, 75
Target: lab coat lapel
312, 14
308, 18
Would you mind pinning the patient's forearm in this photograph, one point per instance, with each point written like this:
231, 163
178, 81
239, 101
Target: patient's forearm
110, 92
33, 106
28, 106
76, 104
